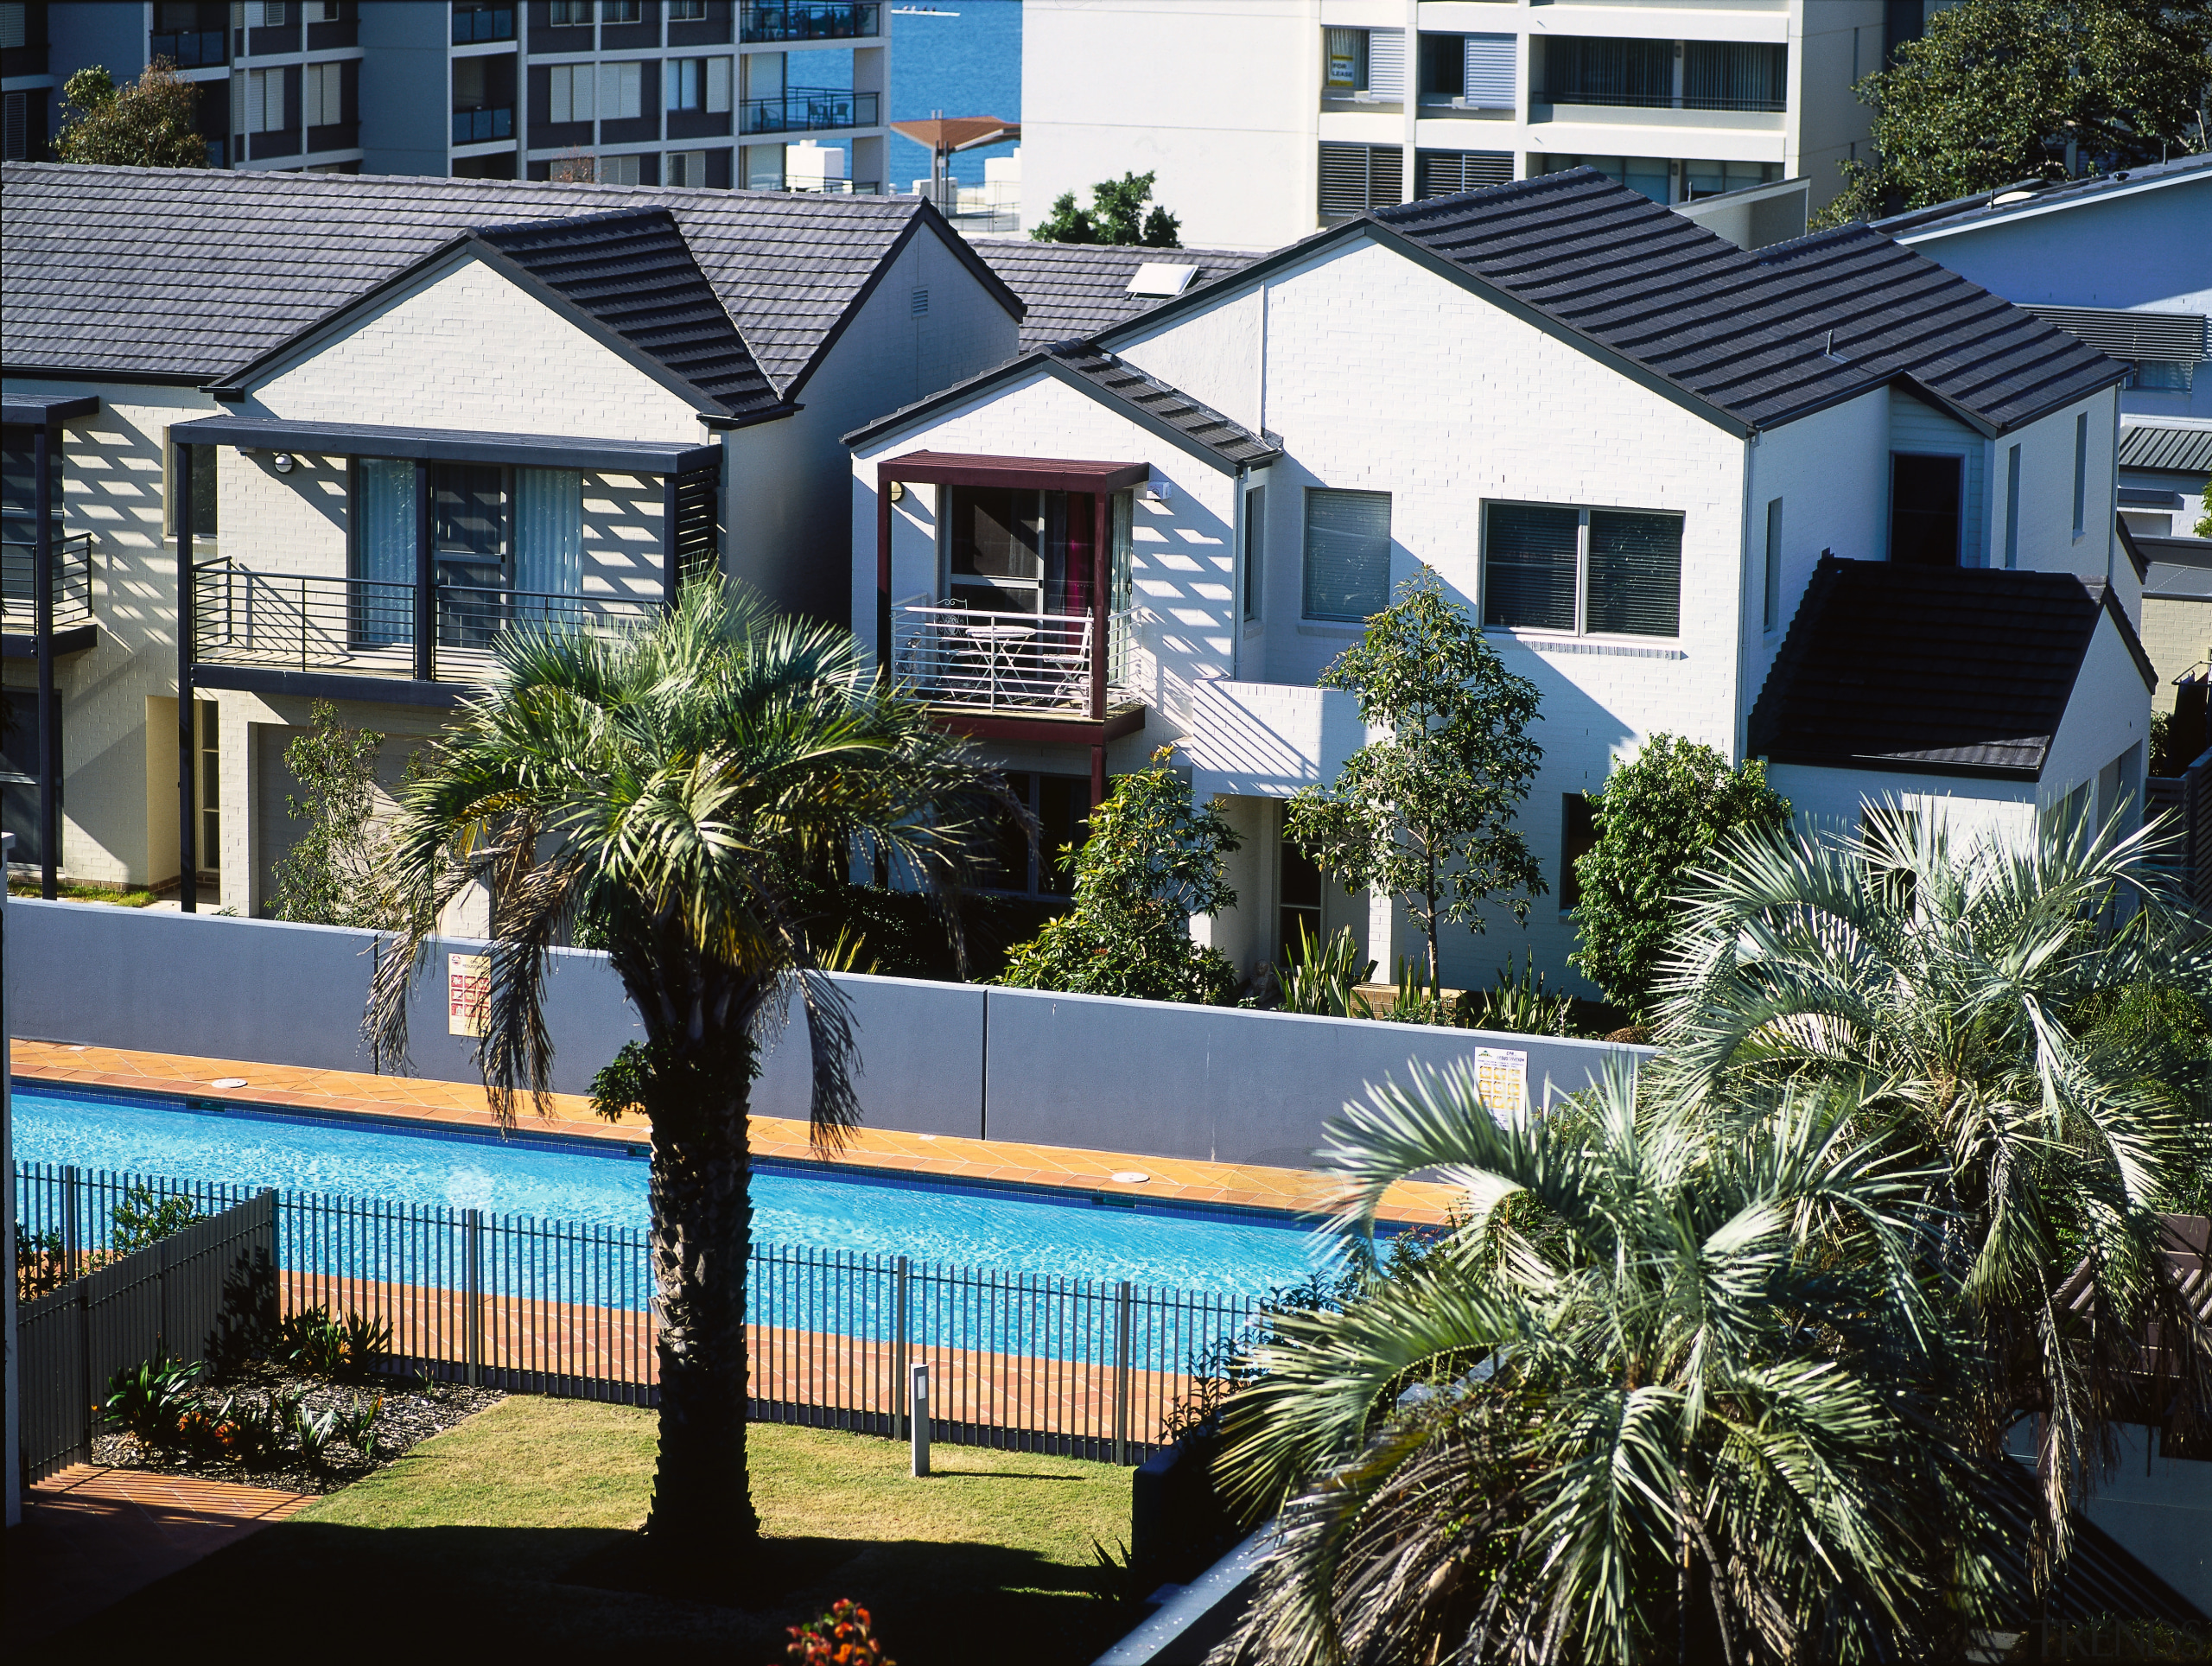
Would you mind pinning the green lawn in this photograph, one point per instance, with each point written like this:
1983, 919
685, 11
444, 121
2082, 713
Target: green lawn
477, 1539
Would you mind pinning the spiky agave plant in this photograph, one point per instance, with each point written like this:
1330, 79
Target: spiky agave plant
1667, 1393
1957, 984
674, 789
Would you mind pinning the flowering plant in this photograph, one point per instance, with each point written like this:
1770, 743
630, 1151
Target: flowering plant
843, 1636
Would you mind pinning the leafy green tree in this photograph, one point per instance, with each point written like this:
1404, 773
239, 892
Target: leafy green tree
1152, 860
148, 124
1663, 1394
1115, 215
1659, 813
1971, 995
676, 786
2002, 91
1426, 814
332, 876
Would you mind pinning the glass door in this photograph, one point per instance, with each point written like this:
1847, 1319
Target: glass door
472, 552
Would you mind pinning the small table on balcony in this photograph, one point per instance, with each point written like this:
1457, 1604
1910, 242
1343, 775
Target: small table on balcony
995, 646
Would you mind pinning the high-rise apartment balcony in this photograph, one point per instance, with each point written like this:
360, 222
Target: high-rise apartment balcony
473, 25
480, 126
808, 110
1708, 75
813, 20
190, 48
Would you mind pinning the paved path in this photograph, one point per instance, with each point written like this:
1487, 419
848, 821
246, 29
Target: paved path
91, 1535
416, 1099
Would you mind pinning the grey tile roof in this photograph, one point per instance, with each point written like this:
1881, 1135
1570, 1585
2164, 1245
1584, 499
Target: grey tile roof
1080, 289
2039, 195
2177, 450
1939, 669
192, 273
1748, 332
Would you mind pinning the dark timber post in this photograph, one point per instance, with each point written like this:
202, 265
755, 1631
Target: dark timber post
1101, 566
426, 595
882, 571
671, 577
187, 827
49, 707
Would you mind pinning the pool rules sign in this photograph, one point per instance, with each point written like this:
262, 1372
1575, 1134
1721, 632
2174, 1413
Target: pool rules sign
468, 979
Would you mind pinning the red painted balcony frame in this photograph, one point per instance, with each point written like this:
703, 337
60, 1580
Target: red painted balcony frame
1101, 481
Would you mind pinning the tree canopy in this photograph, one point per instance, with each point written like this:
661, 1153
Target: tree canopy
1115, 215
2000, 92
147, 124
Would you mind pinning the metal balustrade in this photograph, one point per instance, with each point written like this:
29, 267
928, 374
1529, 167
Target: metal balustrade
190, 48
813, 20
72, 583
478, 126
955, 656
807, 110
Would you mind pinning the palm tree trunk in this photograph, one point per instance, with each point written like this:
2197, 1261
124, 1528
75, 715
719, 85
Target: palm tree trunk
702, 1509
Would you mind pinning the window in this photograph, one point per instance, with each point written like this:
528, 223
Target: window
571, 93
322, 94
2081, 473
261, 91
1347, 553
1735, 75
1771, 613
1711, 179
617, 170
1468, 72
571, 13
1443, 69
1925, 498
15, 126
687, 11
1444, 173
619, 11
1577, 836
12, 32
1358, 177
1653, 176
621, 90
1547, 567
1061, 805
2161, 375
209, 855
1582, 71
475, 23
1368, 64
994, 547
203, 497
21, 736
697, 84
2012, 506
1255, 537
273, 13
684, 168
1298, 909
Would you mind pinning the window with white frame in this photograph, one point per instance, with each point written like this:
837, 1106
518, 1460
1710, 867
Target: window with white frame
571, 13
322, 94
687, 11
571, 94
698, 84
260, 101
620, 11
272, 14
620, 92
1549, 567
684, 168
617, 170
1347, 553
1365, 64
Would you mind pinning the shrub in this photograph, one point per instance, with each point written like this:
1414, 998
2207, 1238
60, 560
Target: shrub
1321, 980
843, 1636
1519, 1004
149, 1400
144, 1218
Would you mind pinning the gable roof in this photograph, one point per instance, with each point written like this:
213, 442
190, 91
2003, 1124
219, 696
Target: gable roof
1146, 400
2024, 199
1080, 289
1750, 339
1940, 671
190, 275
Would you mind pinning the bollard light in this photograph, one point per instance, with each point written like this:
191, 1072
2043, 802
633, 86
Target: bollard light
918, 1402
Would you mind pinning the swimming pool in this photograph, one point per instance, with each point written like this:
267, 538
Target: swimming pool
604, 1184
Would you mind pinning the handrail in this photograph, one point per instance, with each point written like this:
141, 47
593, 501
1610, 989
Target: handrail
806, 110
1004, 661
73, 582
810, 20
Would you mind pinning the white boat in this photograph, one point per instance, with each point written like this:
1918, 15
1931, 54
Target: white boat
921, 11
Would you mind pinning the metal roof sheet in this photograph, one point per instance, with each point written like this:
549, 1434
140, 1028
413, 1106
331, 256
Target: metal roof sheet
2178, 450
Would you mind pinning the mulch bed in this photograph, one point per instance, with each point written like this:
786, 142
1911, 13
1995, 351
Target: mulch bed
412, 1411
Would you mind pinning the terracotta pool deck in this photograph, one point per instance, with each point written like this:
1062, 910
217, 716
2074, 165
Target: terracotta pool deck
415, 1099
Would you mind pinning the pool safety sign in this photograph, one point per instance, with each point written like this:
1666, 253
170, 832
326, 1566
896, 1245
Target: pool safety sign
468, 979
1502, 1078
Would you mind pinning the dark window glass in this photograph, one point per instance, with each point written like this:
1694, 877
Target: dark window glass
1063, 819
1636, 574
1347, 553
1009, 861
994, 542
1256, 529
1528, 567
1443, 67
19, 756
1299, 923
1578, 833
1584, 71
1924, 494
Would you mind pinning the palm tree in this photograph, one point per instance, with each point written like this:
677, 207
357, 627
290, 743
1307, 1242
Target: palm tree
1667, 1392
671, 794
1961, 988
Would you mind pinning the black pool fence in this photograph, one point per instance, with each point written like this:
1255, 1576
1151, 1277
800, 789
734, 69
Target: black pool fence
1077, 1368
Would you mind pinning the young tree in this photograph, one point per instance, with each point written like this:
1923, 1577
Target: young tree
2000, 90
1153, 859
1426, 815
147, 124
330, 877
1658, 814
1115, 215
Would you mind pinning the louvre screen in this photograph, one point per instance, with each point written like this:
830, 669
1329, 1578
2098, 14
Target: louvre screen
1347, 553
1636, 574
2132, 334
1440, 173
1528, 567
1490, 84
1358, 177
1386, 63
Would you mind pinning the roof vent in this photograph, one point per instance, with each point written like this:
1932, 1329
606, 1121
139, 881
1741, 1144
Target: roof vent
2006, 198
1161, 278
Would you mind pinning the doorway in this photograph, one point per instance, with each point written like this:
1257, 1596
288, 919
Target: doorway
1925, 494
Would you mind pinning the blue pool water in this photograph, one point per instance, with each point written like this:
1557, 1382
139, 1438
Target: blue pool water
1246, 1254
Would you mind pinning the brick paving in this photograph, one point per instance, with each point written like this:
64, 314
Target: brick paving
92, 1535
457, 1103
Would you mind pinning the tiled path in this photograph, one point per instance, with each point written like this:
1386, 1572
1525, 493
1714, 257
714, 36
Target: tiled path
454, 1102
91, 1535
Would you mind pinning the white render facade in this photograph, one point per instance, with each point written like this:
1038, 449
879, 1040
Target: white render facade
1486, 408
1268, 118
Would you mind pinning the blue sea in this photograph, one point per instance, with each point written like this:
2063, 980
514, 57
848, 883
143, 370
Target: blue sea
970, 65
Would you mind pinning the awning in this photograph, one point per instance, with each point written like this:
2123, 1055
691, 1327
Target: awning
449, 445
1037, 474
18, 409
946, 134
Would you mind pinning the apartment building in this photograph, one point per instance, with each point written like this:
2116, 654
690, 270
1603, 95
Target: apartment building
1761, 500
710, 94
1269, 118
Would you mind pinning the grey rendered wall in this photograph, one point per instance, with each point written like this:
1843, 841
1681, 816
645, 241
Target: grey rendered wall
1147, 1078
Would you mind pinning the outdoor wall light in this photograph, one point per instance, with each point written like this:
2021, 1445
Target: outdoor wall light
898, 490
284, 461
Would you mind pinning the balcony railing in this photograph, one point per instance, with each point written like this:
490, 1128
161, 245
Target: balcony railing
807, 110
473, 25
476, 126
191, 48
366, 627
72, 583
1009, 662
813, 20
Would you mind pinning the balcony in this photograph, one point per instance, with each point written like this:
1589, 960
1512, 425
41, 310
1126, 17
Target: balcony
347, 628
480, 126
813, 20
1269, 739
808, 110
475, 25
202, 49
72, 626
1013, 664
1712, 75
